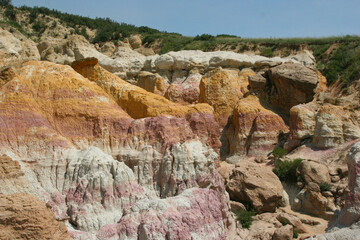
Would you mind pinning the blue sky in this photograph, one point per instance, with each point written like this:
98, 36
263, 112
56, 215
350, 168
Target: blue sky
244, 18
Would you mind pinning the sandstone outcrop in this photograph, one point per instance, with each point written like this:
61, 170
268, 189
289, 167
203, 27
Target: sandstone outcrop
25, 217
152, 83
136, 101
256, 185
185, 92
254, 130
287, 85
347, 225
123, 60
135, 41
223, 89
326, 125
15, 47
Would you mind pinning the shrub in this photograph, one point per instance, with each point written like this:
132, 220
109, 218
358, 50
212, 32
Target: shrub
286, 170
295, 233
267, 52
324, 187
204, 37
245, 217
39, 26
279, 152
10, 13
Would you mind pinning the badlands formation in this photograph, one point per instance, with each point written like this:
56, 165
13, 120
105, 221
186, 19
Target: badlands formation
103, 142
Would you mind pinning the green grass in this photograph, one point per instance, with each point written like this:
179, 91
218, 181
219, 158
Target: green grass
324, 187
279, 152
245, 217
286, 170
16, 26
343, 64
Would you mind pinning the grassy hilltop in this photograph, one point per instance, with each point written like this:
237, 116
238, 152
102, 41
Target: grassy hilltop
337, 57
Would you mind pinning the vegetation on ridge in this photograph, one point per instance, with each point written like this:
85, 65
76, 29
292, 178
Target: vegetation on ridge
337, 57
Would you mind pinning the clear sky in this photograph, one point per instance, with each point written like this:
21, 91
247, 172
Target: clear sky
244, 18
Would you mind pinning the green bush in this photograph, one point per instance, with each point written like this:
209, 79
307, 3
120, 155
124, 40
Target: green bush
204, 37
279, 152
324, 187
245, 217
267, 52
286, 170
10, 13
295, 233
39, 26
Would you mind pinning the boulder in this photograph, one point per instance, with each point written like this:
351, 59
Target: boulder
257, 185
302, 124
135, 41
292, 84
310, 200
283, 233
312, 171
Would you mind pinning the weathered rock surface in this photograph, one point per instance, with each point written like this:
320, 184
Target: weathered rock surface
16, 47
152, 83
222, 89
136, 101
315, 172
254, 130
195, 214
347, 225
185, 92
310, 200
327, 125
293, 84
256, 185
25, 217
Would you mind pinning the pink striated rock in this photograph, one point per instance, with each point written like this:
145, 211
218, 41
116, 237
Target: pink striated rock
195, 214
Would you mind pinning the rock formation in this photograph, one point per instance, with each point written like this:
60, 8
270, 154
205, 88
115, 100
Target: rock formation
110, 141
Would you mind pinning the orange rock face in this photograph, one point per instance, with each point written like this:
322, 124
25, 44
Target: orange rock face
26, 217
46, 104
222, 89
254, 130
137, 102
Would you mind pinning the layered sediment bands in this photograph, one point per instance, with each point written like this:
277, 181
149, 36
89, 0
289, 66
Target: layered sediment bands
326, 125
137, 102
51, 105
179, 168
254, 130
